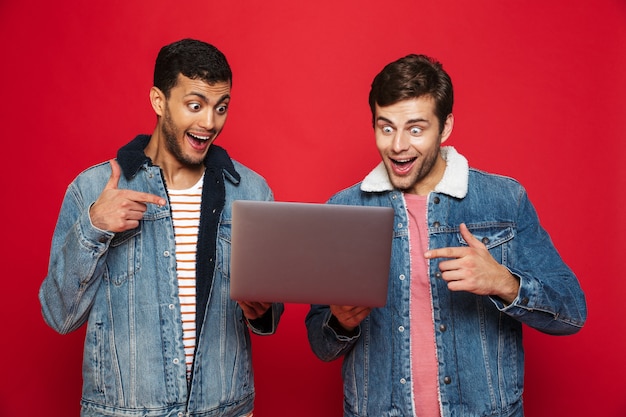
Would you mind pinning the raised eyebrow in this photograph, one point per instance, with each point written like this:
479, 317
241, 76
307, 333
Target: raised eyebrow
408, 122
413, 121
384, 119
206, 99
223, 98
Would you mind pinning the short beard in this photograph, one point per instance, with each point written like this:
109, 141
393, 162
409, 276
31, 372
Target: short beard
423, 171
171, 133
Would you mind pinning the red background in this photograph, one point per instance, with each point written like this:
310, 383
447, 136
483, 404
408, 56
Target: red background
540, 96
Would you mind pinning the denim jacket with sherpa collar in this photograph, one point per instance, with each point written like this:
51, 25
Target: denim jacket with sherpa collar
124, 286
478, 338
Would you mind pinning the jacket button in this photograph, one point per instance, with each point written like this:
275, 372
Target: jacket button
485, 240
447, 380
443, 327
524, 301
436, 224
436, 200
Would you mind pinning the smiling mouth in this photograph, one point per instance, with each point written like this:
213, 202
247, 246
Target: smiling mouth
200, 142
199, 138
402, 162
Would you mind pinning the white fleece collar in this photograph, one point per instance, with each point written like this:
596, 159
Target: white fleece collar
454, 181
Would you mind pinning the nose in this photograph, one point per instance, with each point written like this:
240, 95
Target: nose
400, 142
207, 120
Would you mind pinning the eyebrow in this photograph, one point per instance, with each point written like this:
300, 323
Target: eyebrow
408, 122
205, 98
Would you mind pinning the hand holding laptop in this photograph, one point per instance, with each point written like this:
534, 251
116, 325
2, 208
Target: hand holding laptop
349, 317
253, 310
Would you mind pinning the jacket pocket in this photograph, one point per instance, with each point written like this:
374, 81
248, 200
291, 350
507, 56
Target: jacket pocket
99, 367
123, 256
494, 236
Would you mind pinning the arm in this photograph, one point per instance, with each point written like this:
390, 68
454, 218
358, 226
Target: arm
328, 337
550, 298
536, 287
76, 267
262, 318
80, 243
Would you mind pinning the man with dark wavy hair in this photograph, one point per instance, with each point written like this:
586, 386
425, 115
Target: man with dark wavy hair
141, 254
470, 264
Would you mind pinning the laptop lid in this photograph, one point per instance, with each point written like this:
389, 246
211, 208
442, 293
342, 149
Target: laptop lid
310, 253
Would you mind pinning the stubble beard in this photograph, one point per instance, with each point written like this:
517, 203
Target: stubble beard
171, 134
408, 184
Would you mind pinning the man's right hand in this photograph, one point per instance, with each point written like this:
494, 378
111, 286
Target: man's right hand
349, 317
119, 210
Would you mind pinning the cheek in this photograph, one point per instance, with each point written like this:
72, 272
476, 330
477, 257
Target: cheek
220, 121
426, 144
382, 142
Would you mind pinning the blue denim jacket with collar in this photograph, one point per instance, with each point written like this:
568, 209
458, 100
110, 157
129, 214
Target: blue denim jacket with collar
478, 338
124, 286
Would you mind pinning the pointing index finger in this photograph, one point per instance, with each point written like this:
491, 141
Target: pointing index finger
137, 196
142, 197
451, 252
454, 252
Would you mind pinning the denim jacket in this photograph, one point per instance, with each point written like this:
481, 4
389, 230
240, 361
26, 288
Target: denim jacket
478, 338
124, 286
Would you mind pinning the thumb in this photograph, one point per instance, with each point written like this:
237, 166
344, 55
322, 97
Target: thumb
469, 237
115, 175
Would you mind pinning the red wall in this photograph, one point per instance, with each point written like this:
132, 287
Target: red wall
540, 90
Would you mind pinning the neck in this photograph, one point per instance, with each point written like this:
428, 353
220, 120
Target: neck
177, 175
430, 181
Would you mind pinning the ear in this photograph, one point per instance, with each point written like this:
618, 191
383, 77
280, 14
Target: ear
158, 101
447, 128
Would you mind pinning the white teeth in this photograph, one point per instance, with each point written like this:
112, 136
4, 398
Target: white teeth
199, 137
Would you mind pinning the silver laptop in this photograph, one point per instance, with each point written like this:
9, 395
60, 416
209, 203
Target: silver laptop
310, 253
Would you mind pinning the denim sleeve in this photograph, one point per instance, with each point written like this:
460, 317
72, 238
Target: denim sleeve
550, 298
76, 265
327, 343
267, 324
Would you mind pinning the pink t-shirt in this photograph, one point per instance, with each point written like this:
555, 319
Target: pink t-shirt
423, 351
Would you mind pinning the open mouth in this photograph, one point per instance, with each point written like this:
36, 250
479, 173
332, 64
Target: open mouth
403, 165
198, 137
199, 141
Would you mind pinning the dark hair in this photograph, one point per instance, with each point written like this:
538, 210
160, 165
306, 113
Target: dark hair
193, 59
411, 77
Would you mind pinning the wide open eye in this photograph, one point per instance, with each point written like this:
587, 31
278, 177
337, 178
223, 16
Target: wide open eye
194, 106
415, 131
